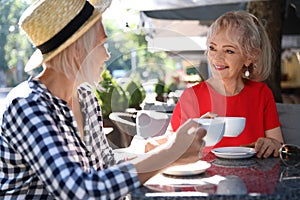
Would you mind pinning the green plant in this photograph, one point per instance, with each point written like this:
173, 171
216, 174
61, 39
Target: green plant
111, 96
135, 94
160, 90
171, 87
159, 87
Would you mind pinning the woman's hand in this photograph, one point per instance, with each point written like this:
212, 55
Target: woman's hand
209, 115
182, 147
266, 147
152, 143
188, 142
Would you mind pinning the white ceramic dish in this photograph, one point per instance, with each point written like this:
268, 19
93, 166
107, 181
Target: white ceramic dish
215, 130
188, 169
221, 126
233, 152
233, 125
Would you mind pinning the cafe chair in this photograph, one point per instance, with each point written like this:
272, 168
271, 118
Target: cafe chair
289, 115
125, 122
150, 123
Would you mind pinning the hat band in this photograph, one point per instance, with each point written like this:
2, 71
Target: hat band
68, 30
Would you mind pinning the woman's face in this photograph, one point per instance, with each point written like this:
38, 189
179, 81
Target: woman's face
92, 66
225, 58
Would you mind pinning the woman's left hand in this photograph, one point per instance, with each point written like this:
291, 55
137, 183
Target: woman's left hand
265, 147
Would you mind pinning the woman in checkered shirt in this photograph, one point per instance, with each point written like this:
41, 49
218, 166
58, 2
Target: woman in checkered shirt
52, 144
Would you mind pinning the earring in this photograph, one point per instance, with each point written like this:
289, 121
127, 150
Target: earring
247, 73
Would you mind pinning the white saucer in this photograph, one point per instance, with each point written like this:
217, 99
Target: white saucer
233, 152
188, 169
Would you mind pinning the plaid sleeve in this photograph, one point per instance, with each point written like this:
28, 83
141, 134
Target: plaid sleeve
32, 132
96, 136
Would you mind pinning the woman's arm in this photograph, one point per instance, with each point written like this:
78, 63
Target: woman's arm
275, 133
270, 144
56, 156
182, 147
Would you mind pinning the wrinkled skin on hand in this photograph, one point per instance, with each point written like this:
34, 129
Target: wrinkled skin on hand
266, 147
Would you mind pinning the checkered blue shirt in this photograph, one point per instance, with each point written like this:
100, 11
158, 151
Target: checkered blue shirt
43, 157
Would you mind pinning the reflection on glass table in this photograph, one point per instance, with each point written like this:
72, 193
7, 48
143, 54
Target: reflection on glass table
252, 178
290, 178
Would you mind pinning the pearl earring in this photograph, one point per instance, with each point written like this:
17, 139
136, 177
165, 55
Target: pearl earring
247, 73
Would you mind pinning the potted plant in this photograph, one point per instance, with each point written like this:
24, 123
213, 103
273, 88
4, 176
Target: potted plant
135, 94
111, 96
160, 90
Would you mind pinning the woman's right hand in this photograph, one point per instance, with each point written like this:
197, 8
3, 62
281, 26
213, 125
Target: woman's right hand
182, 147
188, 142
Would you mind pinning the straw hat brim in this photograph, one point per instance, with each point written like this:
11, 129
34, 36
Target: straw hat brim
37, 58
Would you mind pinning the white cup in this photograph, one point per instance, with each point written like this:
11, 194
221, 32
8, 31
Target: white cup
233, 125
221, 126
214, 130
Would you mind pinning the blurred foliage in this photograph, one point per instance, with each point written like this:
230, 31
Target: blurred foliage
124, 45
136, 94
172, 87
15, 47
160, 87
111, 96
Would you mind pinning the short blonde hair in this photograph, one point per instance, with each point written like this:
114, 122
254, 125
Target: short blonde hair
251, 38
67, 61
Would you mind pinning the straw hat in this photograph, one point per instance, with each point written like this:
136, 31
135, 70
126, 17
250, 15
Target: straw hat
54, 25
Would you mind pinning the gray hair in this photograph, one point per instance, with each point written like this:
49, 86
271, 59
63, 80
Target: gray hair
251, 38
68, 62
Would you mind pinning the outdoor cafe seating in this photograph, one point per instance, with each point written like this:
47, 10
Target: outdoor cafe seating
154, 119
289, 116
125, 123
227, 178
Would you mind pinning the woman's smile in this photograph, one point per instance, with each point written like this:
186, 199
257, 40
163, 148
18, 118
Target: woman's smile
221, 67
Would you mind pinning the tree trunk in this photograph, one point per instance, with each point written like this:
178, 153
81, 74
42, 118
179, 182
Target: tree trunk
272, 14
